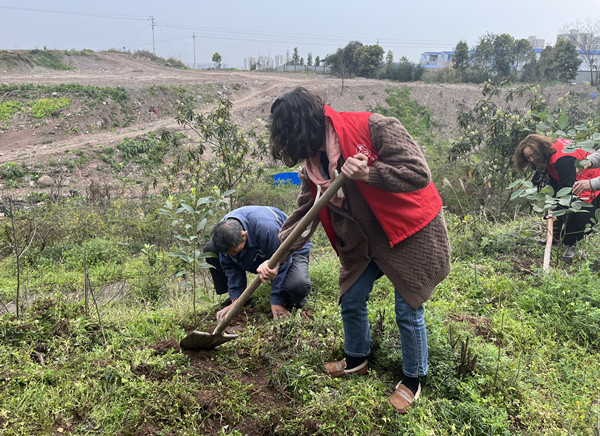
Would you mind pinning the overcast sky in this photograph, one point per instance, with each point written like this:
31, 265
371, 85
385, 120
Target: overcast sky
243, 28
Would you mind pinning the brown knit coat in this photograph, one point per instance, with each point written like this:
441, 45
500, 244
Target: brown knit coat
415, 265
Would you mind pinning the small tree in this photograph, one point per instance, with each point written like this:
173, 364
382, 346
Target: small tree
19, 234
309, 60
565, 60
216, 58
370, 58
345, 58
522, 53
295, 57
544, 69
233, 150
389, 57
460, 61
189, 218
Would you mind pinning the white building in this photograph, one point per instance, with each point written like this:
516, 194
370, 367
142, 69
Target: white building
436, 59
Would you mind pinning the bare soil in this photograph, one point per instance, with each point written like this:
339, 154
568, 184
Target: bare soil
251, 93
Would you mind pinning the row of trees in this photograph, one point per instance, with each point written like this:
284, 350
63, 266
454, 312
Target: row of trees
503, 56
297, 60
495, 56
357, 59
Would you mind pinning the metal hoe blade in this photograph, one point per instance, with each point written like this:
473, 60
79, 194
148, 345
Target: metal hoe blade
205, 341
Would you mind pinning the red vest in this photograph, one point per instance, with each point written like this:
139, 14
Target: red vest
587, 174
401, 214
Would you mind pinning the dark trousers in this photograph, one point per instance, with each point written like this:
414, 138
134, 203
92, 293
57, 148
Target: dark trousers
296, 286
218, 276
574, 223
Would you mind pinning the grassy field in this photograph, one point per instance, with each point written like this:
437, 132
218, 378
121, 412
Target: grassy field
512, 350
103, 303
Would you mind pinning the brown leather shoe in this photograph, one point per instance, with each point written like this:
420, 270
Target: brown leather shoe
338, 369
403, 399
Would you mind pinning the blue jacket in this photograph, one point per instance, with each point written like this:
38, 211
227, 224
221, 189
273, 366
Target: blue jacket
262, 224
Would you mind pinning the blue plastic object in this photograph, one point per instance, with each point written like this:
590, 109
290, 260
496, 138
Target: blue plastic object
289, 177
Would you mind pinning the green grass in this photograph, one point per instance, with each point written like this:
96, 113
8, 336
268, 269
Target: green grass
53, 59
511, 350
532, 341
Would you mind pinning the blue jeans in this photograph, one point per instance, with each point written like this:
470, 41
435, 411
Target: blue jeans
411, 322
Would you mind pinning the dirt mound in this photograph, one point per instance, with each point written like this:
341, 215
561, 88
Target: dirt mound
251, 92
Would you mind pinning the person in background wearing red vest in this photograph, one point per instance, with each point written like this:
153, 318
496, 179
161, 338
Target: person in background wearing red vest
386, 220
555, 166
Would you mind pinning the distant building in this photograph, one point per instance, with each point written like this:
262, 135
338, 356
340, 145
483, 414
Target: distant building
582, 41
263, 62
436, 59
536, 43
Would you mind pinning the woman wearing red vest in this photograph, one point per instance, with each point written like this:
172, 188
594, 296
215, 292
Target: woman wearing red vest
387, 219
557, 166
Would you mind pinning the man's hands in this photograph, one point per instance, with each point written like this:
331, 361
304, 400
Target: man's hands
356, 167
265, 273
221, 313
279, 311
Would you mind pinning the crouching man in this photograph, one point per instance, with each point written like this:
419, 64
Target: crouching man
245, 240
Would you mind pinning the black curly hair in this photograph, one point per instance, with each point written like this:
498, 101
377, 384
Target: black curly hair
297, 126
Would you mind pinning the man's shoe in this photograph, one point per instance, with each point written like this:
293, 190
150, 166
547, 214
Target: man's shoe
299, 305
569, 254
249, 303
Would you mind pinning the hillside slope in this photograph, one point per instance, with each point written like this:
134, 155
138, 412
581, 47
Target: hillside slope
154, 90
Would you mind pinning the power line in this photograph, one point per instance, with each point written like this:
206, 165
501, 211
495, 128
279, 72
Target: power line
81, 14
249, 35
246, 35
277, 36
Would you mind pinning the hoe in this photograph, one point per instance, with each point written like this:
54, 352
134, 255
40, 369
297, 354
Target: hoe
197, 340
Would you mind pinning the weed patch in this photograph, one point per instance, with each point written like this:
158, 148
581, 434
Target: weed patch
48, 106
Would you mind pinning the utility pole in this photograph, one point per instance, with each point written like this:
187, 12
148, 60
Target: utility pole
153, 24
194, 36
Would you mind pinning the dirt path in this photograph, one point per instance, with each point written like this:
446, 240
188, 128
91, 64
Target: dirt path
252, 94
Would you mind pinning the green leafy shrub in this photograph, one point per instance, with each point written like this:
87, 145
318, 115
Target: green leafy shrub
234, 150
414, 117
11, 171
144, 150
97, 251
264, 191
48, 106
8, 108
